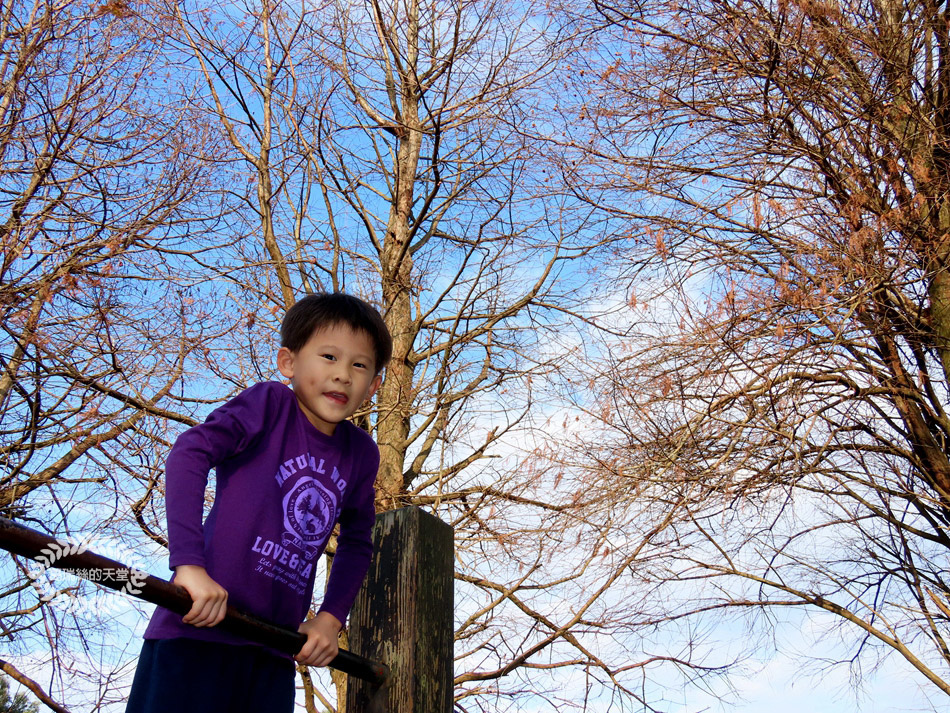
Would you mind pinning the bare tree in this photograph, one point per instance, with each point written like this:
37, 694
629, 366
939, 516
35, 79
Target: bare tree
97, 194
781, 172
380, 148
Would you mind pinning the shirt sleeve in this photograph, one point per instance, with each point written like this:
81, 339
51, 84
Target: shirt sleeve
354, 549
229, 430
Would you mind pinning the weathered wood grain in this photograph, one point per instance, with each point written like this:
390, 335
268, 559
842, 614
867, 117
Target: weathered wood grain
403, 616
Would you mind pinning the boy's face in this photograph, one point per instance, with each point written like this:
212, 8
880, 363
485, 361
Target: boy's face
332, 374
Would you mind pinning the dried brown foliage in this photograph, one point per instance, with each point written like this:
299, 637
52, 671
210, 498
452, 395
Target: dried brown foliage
782, 172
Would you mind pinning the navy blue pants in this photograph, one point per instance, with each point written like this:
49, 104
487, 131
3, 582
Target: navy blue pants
191, 676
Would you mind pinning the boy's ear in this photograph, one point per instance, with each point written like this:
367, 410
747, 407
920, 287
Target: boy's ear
285, 362
377, 380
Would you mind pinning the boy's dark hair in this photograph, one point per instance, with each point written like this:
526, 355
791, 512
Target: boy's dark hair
329, 309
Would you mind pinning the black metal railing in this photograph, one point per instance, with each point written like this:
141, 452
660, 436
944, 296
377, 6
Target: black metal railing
30, 543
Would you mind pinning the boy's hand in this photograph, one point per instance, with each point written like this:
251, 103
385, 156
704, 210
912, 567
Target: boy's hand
321, 646
209, 599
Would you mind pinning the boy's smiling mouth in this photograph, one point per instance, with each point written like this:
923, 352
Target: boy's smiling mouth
337, 396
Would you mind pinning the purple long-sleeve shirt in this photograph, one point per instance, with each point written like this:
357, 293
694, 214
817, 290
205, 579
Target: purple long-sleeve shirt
281, 486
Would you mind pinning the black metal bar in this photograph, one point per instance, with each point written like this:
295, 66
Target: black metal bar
27, 542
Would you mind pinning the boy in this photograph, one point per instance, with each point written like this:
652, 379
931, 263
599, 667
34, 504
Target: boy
289, 467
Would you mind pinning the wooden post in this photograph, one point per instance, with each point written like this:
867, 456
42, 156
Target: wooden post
403, 616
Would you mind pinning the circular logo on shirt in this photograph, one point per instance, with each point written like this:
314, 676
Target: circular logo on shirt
309, 511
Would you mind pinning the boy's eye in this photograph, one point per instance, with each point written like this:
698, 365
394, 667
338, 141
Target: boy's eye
330, 357
359, 365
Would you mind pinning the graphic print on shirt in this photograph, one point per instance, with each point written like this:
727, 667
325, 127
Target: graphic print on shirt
309, 510
309, 515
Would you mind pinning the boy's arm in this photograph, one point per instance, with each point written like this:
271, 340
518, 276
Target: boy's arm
229, 430
354, 548
186, 476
